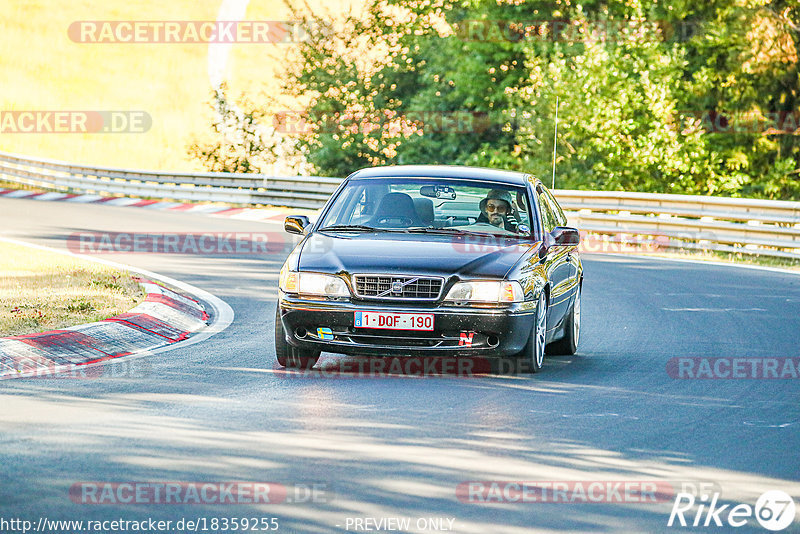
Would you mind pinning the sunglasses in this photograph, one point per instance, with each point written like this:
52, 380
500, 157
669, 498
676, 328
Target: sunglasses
502, 208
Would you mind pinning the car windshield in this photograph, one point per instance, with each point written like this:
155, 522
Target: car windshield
430, 205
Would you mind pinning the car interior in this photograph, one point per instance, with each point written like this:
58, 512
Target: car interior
387, 206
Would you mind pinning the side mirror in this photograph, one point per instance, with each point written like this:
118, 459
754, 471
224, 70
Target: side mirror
296, 224
564, 236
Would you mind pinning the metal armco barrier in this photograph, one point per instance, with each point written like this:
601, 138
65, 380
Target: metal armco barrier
747, 226
253, 189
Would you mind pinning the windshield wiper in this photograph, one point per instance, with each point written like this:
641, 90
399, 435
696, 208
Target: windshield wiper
350, 228
435, 230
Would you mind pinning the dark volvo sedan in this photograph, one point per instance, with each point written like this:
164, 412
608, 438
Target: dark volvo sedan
432, 260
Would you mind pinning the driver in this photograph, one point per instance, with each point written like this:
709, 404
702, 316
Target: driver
496, 208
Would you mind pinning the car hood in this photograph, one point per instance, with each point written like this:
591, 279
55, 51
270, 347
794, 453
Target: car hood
442, 255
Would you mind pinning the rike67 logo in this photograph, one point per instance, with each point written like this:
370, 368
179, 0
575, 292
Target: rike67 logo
774, 510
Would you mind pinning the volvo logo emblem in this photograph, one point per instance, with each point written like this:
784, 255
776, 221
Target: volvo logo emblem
397, 287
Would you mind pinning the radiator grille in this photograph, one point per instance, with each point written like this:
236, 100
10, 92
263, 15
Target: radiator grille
398, 286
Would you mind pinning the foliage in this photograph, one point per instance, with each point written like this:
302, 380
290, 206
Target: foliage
240, 144
682, 97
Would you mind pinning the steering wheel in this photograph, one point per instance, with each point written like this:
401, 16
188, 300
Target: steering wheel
395, 220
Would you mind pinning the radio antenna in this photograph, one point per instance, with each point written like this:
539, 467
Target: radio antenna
555, 140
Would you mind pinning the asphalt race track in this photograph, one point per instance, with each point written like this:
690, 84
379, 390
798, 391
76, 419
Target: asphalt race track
399, 446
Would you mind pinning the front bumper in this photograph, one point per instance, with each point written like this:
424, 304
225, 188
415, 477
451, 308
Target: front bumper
461, 331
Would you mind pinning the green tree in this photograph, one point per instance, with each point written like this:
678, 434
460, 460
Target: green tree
619, 128
655, 96
241, 142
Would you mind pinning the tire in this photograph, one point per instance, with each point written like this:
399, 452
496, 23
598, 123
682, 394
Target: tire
568, 345
532, 356
287, 355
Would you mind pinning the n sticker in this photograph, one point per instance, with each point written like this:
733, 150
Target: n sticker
466, 339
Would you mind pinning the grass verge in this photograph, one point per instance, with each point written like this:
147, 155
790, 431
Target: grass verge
41, 290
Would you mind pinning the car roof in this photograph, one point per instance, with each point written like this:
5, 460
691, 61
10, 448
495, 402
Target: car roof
444, 171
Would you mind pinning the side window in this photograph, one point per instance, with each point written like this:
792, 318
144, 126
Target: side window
520, 210
346, 207
561, 219
548, 217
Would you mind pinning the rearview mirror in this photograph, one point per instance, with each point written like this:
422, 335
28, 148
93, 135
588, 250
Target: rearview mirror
438, 191
296, 224
564, 236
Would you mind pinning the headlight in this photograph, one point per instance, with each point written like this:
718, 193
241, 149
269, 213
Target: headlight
321, 285
486, 291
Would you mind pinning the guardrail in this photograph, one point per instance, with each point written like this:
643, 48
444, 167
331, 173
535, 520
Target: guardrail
747, 226
737, 225
253, 189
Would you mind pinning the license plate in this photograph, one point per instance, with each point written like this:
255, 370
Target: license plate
394, 321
